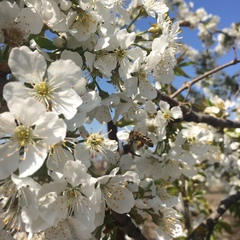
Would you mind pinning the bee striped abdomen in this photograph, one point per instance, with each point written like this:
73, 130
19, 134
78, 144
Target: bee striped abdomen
140, 139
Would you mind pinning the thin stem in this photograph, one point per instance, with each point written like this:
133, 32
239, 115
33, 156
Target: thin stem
135, 19
188, 85
186, 210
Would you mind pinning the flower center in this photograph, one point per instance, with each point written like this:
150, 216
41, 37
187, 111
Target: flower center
23, 135
120, 53
142, 75
13, 37
94, 141
43, 93
85, 19
220, 105
167, 116
42, 89
152, 128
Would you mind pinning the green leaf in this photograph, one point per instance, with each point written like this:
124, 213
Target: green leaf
122, 123
179, 72
184, 64
45, 43
226, 226
232, 133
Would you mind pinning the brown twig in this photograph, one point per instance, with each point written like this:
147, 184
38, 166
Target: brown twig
188, 85
186, 206
205, 229
126, 224
191, 116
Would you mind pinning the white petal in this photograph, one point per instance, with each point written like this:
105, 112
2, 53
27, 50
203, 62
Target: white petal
125, 39
15, 89
159, 44
176, 112
74, 56
25, 110
82, 154
52, 130
123, 135
26, 65
76, 122
75, 173
8, 159
8, 13
35, 158
164, 106
153, 59
90, 101
102, 43
102, 114
27, 24
64, 72
7, 124
121, 201
66, 103
147, 89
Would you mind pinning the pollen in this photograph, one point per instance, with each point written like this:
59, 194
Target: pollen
121, 54
42, 89
43, 93
23, 135
13, 36
94, 141
167, 116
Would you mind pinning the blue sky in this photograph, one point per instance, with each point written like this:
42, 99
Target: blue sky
228, 11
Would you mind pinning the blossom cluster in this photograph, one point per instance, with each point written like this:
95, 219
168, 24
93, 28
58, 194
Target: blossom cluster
60, 179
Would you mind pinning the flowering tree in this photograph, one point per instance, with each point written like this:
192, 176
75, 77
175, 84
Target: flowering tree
66, 65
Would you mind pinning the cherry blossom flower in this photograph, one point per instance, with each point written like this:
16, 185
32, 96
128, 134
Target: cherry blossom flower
168, 114
60, 153
168, 224
70, 197
115, 191
165, 222
85, 24
53, 88
95, 145
218, 106
118, 50
16, 24
27, 135
51, 14
154, 7
17, 195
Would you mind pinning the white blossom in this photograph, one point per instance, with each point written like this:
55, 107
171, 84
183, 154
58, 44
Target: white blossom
52, 87
115, 191
168, 114
16, 24
70, 196
28, 135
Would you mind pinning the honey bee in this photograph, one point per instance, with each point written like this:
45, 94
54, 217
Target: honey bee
140, 139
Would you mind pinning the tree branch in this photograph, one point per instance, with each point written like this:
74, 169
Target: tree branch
188, 85
126, 224
191, 116
205, 229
